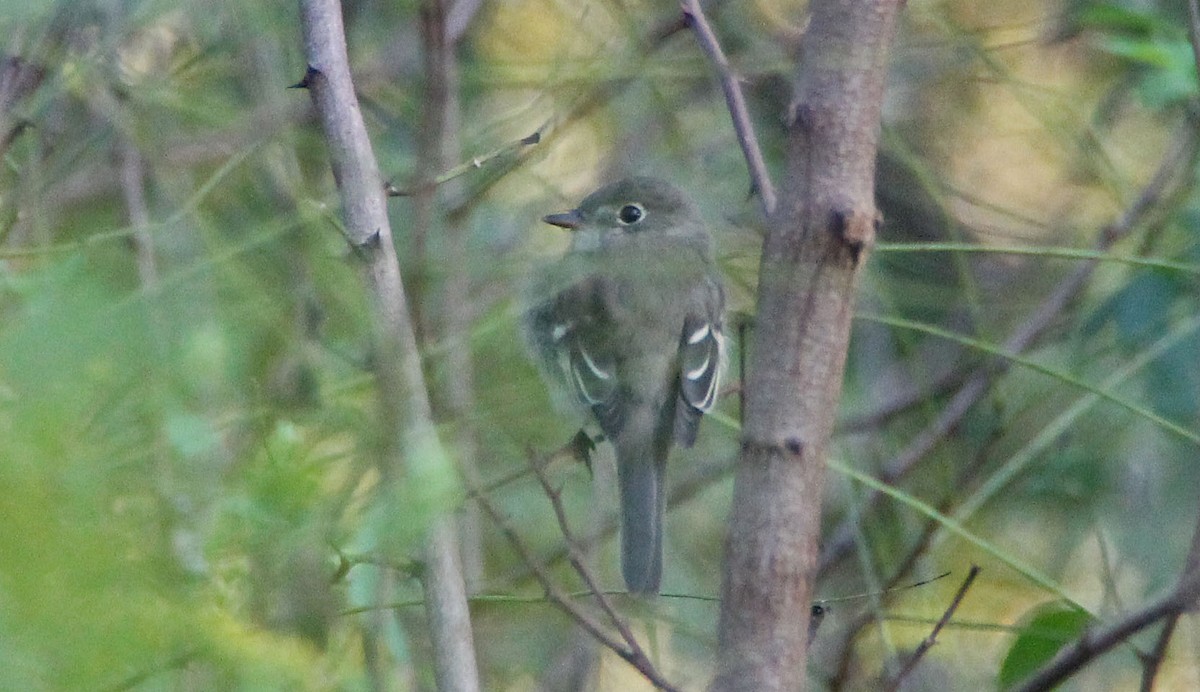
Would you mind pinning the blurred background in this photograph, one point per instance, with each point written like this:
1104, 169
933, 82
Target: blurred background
188, 424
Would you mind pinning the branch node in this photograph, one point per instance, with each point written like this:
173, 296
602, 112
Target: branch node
798, 116
369, 244
931, 640
854, 228
792, 446
306, 81
739, 113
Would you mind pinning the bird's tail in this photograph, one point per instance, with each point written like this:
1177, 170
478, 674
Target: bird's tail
641, 467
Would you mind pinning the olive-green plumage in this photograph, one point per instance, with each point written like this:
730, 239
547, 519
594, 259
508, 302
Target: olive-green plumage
629, 322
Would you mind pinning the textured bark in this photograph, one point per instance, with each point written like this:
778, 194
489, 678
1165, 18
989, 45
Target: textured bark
816, 244
404, 400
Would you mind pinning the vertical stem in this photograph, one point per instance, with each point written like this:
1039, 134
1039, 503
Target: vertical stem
816, 245
407, 423
438, 149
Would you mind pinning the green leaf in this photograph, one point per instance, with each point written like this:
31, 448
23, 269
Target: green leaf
1114, 18
1149, 52
1048, 628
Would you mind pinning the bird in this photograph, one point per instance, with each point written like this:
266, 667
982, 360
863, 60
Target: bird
629, 322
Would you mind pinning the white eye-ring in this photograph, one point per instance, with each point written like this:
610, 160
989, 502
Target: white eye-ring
631, 214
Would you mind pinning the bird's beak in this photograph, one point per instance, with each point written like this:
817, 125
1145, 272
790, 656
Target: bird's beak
567, 219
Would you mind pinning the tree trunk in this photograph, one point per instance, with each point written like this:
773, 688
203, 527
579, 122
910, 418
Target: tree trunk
817, 242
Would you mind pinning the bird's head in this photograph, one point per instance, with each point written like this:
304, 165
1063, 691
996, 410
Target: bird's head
634, 211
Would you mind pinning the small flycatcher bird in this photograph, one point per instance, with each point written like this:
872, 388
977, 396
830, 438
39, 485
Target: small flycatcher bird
629, 321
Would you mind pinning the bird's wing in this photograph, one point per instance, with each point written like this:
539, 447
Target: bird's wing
580, 337
701, 360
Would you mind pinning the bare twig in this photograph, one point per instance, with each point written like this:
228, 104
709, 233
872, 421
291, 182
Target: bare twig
1152, 661
576, 557
407, 423
439, 144
465, 167
432, 140
1191, 570
905, 564
760, 177
902, 403
475, 490
459, 18
698, 479
653, 40
564, 602
927, 643
133, 176
1180, 154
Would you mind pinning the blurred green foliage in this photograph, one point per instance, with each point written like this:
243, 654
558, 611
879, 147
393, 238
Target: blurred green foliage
189, 490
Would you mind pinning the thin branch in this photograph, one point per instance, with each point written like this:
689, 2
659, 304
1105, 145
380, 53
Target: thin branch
760, 177
475, 490
406, 418
553, 592
1191, 569
653, 40
439, 143
1180, 154
133, 176
465, 167
19, 78
576, 557
1153, 660
459, 18
564, 602
902, 403
929, 641
431, 156
964, 478
698, 479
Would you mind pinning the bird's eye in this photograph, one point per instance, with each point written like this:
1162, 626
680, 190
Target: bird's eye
630, 214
